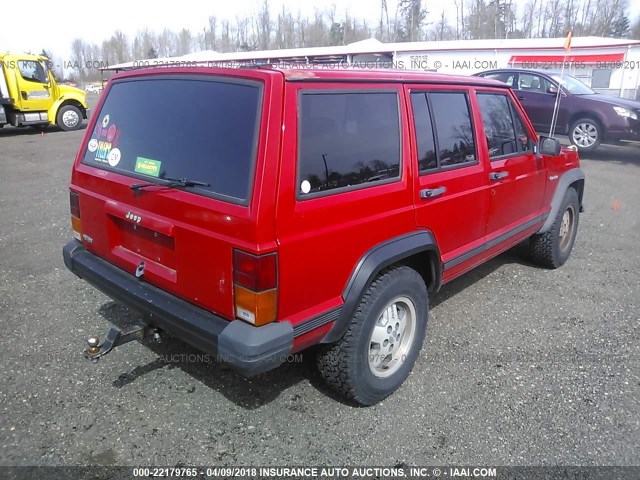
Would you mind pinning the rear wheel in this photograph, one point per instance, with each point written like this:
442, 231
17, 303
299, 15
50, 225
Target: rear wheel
552, 248
69, 118
586, 134
383, 340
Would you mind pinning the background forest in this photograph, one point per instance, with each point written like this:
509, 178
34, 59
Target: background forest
411, 20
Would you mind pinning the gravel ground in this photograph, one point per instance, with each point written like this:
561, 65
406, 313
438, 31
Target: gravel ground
521, 366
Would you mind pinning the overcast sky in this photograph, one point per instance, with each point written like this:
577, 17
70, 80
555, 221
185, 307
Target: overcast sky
39, 24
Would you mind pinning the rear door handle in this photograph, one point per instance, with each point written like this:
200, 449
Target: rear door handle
520, 98
498, 175
432, 192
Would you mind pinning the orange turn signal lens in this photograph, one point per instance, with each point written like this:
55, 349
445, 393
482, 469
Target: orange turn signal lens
76, 225
255, 308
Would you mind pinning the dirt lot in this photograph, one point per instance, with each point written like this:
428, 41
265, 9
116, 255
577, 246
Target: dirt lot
521, 366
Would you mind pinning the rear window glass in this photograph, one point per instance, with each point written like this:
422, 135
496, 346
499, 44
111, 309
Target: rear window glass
182, 128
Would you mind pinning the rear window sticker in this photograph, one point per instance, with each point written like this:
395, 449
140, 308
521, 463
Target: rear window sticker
105, 121
305, 186
111, 133
102, 153
108, 139
114, 157
147, 166
99, 131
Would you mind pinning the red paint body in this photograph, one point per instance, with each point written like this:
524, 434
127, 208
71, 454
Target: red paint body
187, 240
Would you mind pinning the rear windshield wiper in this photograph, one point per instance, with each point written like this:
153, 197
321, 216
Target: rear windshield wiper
170, 182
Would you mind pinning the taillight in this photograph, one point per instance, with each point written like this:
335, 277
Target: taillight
76, 223
255, 280
257, 272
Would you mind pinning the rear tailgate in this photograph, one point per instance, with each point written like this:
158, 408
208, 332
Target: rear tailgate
180, 124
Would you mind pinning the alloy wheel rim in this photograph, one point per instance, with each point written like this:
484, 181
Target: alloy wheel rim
567, 226
392, 337
585, 134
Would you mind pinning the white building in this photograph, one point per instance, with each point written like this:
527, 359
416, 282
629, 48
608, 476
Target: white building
608, 65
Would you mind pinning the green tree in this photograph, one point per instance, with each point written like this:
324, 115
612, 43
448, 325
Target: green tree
411, 19
56, 71
336, 34
635, 30
620, 26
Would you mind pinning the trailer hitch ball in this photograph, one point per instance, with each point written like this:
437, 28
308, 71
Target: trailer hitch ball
93, 343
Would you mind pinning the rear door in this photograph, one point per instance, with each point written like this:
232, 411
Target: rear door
517, 174
186, 126
451, 184
534, 95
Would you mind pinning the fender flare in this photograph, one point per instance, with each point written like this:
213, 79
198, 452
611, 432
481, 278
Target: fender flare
567, 178
375, 260
52, 113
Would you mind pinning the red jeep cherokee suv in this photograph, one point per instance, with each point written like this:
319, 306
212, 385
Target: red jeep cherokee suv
257, 212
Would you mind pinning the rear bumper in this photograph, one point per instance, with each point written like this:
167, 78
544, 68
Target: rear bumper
251, 350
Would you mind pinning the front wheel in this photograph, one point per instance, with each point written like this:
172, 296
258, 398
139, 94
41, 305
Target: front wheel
69, 118
552, 248
383, 340
586, 134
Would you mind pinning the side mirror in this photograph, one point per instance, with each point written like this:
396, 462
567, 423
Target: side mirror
548, 146
552, 89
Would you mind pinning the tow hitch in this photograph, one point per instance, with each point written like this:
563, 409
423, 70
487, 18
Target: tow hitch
117, 336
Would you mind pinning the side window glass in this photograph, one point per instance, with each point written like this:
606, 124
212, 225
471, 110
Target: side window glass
533, 83
498, 125
503, 128
424, 132
522, 137
347, 139
507, 78
454, 130
32, 70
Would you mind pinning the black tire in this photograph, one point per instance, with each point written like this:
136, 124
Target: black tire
586, 134
346, 365
71, 121
552, 248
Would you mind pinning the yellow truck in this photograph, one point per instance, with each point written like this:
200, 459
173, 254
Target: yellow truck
30, 95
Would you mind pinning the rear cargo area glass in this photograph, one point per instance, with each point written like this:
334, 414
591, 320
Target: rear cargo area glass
182, 128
